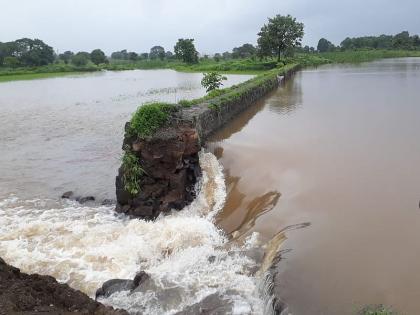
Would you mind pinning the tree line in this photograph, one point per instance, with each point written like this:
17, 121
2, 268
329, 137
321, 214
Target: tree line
26, 52
400, 41
280, 36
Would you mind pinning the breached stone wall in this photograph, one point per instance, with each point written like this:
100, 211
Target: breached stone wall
169, 158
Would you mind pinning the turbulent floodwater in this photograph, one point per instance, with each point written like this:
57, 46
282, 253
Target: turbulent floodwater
86, 246
66, 134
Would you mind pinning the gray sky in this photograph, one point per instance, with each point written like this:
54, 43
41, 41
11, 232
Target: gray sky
216, 25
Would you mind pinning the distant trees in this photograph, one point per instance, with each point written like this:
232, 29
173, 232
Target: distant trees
11, 62
212, 81
157, 52
401, 40
325, 45
132, 56
185, 50
280, 36
120, 55
66, 56
80, 59
244, 51
227, 55
98, 56
144, 55
27, 52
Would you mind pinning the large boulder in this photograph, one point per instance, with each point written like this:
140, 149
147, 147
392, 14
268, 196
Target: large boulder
117, 285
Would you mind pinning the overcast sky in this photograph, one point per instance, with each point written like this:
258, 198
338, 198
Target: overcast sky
216, 25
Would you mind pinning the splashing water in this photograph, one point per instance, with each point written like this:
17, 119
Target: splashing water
187, 256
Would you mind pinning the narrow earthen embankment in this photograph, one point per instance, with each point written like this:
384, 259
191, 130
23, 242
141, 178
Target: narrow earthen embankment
160, 170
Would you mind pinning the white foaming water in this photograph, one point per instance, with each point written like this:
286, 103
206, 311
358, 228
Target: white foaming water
185, 253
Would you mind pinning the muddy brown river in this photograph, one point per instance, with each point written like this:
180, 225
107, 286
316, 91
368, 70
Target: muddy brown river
324, 173
331, 161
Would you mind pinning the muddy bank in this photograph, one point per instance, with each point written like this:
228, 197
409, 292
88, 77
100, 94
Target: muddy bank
21, 293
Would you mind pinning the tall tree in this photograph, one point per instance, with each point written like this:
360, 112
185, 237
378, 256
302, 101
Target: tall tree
185, 50
244, 51
280, 36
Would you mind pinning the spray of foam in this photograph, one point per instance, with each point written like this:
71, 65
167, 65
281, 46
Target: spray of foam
185, 253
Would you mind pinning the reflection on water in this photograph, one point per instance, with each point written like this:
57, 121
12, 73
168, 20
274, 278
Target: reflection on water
289, 98
337, 147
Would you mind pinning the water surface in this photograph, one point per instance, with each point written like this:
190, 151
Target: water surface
66, 133
61, 134
331, 161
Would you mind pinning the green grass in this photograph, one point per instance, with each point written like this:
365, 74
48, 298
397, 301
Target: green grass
149, 118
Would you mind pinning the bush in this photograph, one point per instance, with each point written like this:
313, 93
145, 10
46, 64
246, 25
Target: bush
212, 81
149, 118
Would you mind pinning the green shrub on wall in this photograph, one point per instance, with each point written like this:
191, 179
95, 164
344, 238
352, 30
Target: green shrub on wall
149, 118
